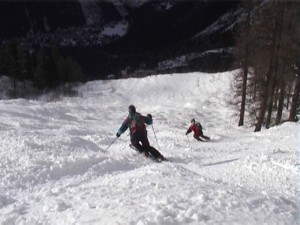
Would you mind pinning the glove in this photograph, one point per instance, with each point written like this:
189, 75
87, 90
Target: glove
150, 118
118, 135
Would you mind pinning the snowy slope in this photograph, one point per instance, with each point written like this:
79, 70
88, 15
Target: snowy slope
55, 169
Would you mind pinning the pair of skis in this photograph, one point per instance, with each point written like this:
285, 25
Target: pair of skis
203, 139
159, 158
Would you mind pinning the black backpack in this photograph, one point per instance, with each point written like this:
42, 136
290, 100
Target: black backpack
199, 125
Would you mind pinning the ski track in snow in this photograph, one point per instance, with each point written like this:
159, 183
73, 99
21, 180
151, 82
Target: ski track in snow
55, 169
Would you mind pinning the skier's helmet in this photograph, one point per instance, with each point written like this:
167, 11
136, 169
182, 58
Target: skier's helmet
193, 120
131, 109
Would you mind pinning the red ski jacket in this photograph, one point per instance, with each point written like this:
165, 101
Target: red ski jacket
196, 128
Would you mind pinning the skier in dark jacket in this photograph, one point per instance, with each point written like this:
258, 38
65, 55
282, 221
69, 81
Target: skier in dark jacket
197, 128
138, 133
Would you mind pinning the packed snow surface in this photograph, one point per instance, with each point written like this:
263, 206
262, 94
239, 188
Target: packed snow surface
56, 167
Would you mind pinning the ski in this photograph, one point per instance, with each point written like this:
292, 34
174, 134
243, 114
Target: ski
203, 139
150, 155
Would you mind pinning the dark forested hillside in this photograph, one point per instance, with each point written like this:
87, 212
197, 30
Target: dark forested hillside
155, 29
18, 18
155, 33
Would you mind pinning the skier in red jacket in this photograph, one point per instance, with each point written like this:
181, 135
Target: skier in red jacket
197, 128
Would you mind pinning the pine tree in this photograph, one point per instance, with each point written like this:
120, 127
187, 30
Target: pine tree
288, 55
270, 46
243, 56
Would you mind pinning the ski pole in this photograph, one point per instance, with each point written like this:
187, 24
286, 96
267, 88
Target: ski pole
111, 144
155, 137
189, 141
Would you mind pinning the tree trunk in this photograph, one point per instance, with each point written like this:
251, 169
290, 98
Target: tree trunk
264, 103
295, 99
276, 96
289, 95
271, 100
280, 101
267, 92
245, 66
244, 92
277, 40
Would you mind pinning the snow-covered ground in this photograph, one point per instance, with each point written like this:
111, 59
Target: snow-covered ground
55, 169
